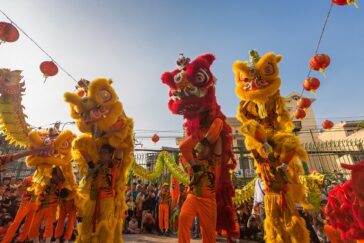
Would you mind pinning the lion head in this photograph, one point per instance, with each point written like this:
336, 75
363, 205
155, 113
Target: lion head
191, 86
258, 79
96, 104
58, 147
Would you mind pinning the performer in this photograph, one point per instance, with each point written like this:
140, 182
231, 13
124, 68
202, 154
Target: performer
164, 199
267, 128
100, 208
26, 210
207, 148
48, 206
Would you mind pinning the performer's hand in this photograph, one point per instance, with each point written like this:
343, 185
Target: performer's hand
197, 174
202, 151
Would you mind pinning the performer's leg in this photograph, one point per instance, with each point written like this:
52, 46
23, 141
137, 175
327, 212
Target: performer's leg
70, 224
35, 225
207, 216
49, 218
10, 233
28, 221
166, 216
185, 219
160, 216
61, 218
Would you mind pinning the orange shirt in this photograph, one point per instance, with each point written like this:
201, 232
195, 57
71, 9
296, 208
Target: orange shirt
164, 197
103, 182
50, 196
206, 186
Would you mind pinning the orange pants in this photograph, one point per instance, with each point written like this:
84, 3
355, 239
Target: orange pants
205, 210
25, 210
67, 209
163, 216
49, 216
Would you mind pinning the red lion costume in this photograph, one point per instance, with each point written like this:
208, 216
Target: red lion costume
345, 206
207, 145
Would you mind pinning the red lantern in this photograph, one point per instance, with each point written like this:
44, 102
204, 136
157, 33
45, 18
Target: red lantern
48, 69
311, 84
8, 32
344, 2
320, 62
155, 138
300, 113
304, 103
327, 124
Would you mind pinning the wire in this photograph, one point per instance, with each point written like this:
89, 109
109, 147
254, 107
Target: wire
32, 40
319, 41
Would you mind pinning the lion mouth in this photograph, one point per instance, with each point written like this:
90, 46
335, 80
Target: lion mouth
255, 84
95, 114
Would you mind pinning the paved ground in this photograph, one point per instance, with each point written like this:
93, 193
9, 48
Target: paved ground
147, 238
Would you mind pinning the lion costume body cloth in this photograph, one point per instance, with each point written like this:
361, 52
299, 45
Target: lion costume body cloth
192, 95
99, 115
267, 128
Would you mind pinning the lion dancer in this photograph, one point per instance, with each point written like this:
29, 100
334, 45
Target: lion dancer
47, 209
26, 210
67, 205
104, 153
207, 148
268, 135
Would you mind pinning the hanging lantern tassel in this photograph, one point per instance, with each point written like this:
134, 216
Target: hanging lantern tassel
48, 68
320, 62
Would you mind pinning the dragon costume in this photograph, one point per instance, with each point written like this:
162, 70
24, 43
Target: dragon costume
99, 115
53, 148
267, 128
207, 147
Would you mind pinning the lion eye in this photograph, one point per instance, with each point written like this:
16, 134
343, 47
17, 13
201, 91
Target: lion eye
105, 95
65, 145
269, 69
202, 77
178, 78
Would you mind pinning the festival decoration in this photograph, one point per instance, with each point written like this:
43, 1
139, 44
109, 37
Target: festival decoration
164, 159
8, 32
345, 2
48, 68
299, 113
326, 124
304, 103
344, 207
245, 194
192, 95
267, 128
320, 62
99, 115
155, 138
311, 84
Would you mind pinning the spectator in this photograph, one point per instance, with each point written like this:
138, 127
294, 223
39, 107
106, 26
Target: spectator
148, 221
133, 226
6, 182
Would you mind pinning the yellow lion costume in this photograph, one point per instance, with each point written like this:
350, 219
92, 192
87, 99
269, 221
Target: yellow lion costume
267, 128
100, 116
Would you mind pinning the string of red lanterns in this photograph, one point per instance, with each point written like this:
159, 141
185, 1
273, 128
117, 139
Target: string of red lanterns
319, 62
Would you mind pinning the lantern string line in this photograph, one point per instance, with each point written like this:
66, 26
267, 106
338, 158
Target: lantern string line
319, 41
32, 40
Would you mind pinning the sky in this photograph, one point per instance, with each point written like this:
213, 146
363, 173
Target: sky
134, 41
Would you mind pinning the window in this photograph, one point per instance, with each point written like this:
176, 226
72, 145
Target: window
349, 132
297, 126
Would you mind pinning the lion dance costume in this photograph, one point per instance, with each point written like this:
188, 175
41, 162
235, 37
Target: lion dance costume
207, 147
99, 115
267, 128
53, 151
345, 207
